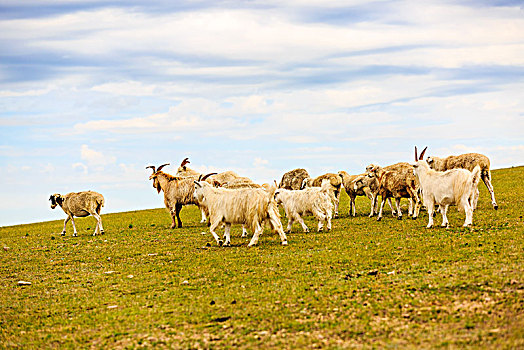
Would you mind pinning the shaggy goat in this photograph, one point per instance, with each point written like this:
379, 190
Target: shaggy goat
335, 182
455, 186
397, 181
466, 161
249, 206
215, 179
178, 191
292, 180
80, 204
312, 200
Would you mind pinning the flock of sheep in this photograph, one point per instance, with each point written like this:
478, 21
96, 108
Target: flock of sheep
226, 198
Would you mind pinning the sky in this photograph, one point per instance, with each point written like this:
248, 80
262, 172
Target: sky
92, 92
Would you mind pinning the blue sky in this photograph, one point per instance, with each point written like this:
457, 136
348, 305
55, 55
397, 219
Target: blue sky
91, 92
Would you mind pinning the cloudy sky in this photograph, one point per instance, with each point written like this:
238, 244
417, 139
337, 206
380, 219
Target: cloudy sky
91, 92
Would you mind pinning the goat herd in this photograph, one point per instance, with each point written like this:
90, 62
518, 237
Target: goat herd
226, 198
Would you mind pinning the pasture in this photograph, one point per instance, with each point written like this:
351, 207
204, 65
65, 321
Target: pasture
388, 284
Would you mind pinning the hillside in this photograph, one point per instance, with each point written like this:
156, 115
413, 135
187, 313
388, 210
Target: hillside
367, 283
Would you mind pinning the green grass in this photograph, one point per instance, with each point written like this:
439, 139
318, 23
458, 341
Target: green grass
388, 284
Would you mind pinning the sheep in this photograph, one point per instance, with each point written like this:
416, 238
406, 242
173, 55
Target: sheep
348, 181
397, 181
312, 200
292, 180
249, 206
367, 182
334, 180
178, 191
80, 204
466, 161
444, 188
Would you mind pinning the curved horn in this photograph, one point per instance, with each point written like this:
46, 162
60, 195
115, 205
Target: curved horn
152, 167
206, 176
416, 155
160, 167
422, 153
184, 162
200, 177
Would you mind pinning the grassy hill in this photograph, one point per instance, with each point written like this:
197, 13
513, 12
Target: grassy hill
365, 284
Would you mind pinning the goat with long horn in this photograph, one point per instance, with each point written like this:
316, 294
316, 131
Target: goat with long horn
178, 191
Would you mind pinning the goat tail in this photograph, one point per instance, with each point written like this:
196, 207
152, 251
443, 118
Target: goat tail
476, 173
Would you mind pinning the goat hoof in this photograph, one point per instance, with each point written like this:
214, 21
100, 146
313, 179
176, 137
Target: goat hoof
75, 235
62, 234
495, 207
227, 244
399, 217
379, 218
220, 242
414, 218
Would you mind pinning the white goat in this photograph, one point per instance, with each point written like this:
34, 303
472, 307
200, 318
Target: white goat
215, 179
334, 180
248, 206
80, 204
467, 161
455, 186
312, 200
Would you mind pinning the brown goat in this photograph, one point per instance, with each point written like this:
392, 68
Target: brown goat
397, 181
466, 161
178, 191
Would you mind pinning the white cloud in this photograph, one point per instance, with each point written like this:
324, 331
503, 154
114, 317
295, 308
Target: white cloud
259, 162
95, 158
80, 166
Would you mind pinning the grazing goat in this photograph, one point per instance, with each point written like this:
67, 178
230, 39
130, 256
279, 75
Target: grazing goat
466, 161
349, 182
248, 206
312, 200
334, 180
178, 191
444, 188
397, 181
292, 180
80, 204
